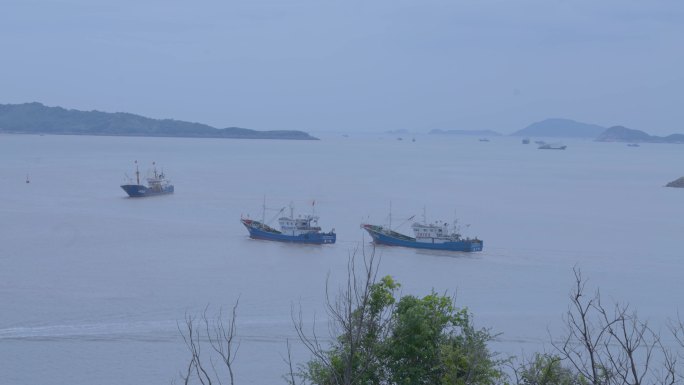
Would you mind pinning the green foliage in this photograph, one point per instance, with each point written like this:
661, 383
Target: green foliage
354, 358
546, 369
466, 359
419, 329
412, 341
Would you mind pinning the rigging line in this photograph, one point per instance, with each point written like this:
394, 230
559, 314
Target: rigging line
404, 222
275, 216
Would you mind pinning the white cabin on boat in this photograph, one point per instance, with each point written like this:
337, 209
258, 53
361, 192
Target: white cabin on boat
433, 233
298, 226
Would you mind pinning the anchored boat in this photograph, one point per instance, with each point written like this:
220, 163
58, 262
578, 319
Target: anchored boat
157, 184
549, 146
302, 229
434, 236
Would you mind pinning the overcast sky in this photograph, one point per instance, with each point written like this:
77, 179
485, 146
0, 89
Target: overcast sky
354, 65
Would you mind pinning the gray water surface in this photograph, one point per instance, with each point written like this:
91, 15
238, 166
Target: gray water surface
92, 284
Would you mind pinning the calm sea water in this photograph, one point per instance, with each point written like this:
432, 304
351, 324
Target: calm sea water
92, 284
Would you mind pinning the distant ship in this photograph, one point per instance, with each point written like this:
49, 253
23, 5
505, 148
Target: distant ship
302, 229
484, 140
548, 146
526, 141
437, 236
156, 185
633, 145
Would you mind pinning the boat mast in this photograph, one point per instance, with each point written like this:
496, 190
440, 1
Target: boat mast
137, 173
154, 165
263, 213
424, 216
390, 216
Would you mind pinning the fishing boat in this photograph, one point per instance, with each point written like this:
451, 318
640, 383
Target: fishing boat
549, 146
433, 236
157, 184
300, 229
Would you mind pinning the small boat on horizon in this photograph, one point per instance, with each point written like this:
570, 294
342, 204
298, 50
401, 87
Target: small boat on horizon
157, 184
633, 145
483, 140
301, 229
549, 146
526, 141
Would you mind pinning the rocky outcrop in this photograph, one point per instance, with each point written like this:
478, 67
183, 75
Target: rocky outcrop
676, 183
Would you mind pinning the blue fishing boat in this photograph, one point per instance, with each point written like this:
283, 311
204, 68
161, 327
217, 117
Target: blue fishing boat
157, 184
434, 236
301, 229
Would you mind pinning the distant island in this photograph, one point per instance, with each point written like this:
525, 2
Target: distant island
676, 183
561, 128
465, 132
36, 118
566, 128
624, 134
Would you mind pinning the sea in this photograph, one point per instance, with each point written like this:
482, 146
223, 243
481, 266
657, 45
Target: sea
95, 287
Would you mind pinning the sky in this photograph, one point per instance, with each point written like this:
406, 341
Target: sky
353, 65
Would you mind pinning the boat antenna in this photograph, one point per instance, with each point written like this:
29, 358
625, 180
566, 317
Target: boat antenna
424, 216
390, 216
137, 173
313, 208
154, 166
291, 210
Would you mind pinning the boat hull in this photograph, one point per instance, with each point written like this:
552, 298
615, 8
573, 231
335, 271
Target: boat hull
310, 238
382, 238
139, 191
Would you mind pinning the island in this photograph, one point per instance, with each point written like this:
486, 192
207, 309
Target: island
36, 118
560, 128
624, 134
676, 183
